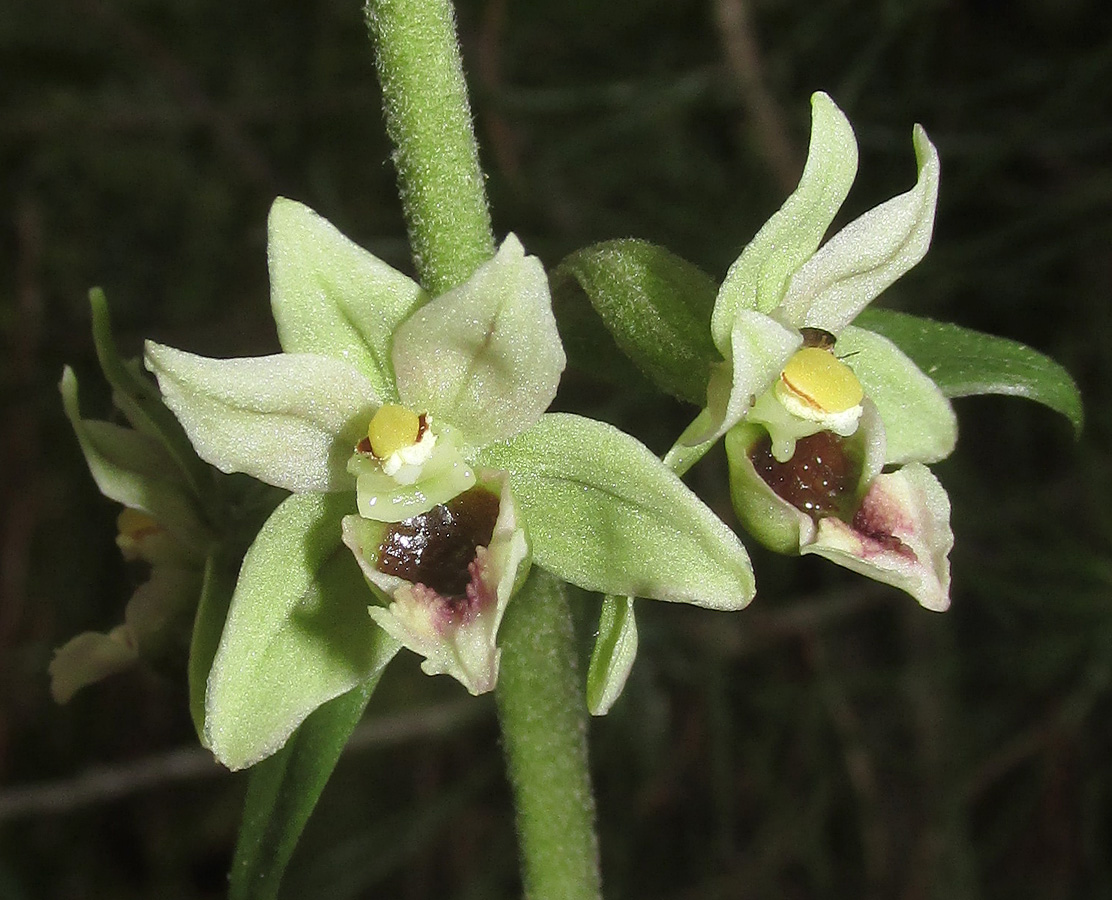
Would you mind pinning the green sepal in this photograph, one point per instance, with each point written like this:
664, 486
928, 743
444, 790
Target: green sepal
759, 277
656, 305
605, 514
135, 470
864, 258
297, 632
139, 400
964, 363
331, 297
217, 588
919, 422
485, 357
613, 655
290, 419
283, 790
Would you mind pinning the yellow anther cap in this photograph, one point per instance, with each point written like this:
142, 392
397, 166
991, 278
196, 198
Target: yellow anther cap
393, 428
821, 380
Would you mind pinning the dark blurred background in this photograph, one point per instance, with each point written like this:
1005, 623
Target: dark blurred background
831, 740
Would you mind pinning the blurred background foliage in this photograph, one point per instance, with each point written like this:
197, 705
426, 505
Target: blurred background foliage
833, 739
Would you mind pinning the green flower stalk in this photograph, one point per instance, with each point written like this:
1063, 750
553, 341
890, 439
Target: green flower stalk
412, 432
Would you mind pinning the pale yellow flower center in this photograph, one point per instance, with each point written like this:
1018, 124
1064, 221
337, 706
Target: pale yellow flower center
817, 378
393, 428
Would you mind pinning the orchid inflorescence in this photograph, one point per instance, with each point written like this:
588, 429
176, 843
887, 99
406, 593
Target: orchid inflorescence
422, 475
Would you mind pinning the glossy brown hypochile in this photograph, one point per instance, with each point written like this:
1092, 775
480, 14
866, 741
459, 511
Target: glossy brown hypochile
436, 547
820, 479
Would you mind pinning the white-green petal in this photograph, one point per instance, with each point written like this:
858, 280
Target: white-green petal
290, 420
605, 514
690, 446
870, 253
331, 297
760, 347
919, 422
759, 277
486, 356
89, 657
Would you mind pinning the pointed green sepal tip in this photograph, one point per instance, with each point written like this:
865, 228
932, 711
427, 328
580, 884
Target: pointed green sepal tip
613, 655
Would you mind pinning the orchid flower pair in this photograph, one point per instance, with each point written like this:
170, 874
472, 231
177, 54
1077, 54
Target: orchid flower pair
412, 432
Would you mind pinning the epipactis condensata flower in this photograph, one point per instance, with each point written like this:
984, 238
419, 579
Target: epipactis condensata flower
477, 365
429, 415
817, 409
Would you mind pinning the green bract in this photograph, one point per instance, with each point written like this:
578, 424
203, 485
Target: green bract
469, 463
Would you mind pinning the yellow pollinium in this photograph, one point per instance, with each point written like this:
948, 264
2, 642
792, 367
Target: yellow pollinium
822, 381
393, 428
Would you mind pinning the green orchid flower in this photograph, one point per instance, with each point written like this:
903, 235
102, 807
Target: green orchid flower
818, 413
412, 432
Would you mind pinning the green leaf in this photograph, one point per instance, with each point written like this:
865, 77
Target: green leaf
588, 343
656, 305
613, 656
919, 423
135, 470
759, 277
965, 363
208, 624
297, 635
291, 420
331, 297
870, 253
486, 356
604, 513
139, 400
284, 789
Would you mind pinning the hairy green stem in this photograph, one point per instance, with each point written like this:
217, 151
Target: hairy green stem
543, 713
541, 702
428, 118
